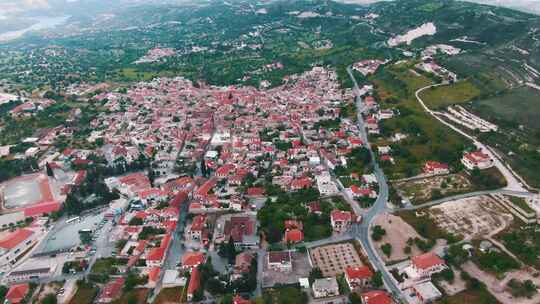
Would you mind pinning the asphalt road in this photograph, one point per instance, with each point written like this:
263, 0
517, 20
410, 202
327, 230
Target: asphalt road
361, 231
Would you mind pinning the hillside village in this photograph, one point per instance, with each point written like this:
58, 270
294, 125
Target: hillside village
301, 190
207, 190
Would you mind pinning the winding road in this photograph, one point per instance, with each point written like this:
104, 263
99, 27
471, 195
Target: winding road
361, 231
514, 182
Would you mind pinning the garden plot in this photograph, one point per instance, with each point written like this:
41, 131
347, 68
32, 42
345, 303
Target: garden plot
473, 217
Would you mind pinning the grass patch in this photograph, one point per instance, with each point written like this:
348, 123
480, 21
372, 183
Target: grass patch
443, 96
85, 294
285, 295
477, 296
425, 226
520, 203
519, 106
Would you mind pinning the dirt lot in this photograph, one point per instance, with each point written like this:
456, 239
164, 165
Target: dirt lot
170, 296
498, 287
456, 287
397, 234
420, 190
472, 217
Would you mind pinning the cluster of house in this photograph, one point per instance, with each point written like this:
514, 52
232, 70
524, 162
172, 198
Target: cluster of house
432, 50
430, 66
417, 277
207, 145
345, 261
156, 54
31, 107
368, 67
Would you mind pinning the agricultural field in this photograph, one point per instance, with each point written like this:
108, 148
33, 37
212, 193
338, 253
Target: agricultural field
428, 139
515, 107
456, 93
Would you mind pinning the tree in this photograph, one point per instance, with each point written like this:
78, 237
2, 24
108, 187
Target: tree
3, 292
377, 280
456, 255
448, 275
354, 298
378, 233
387, 249
132, 280
228, 250
314, 274
49, 299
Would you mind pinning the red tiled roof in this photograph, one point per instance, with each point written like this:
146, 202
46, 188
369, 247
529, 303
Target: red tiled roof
16, 293
376, 297
153, 274
426, 260
255, 191
15, 238
358, 272
155, 254
206, 187
433, 165
198, 222
178, 199
294, 236
80, 177
194, 281
338, 215
42, 208
192, 259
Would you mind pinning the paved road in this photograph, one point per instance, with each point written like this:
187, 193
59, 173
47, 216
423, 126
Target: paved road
514, 182
361, 231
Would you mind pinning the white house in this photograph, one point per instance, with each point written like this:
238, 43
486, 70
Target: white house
325, 287
280, 261
477, 159
424, 266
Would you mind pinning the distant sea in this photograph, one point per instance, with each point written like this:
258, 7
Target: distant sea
41, 24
